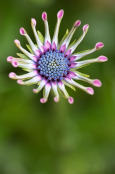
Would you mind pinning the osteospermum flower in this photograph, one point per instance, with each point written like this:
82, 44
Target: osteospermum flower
53, 65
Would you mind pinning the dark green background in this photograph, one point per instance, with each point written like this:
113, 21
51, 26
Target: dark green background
58, 138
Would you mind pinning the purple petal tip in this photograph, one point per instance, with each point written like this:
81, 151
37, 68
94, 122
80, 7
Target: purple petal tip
102, 58
90, 91
71, 100
9, 58
17, 42
56, 99
20, 82
44, 16
99, 45
33, 21
60, 14
22, 31
12, 75
15, 63
43, 100
78, 23
97, 83
85, 27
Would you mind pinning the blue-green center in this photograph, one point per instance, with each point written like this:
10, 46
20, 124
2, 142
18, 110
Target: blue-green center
53, 65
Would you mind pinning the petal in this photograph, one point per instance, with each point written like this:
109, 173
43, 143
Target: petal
62, 48
67, 53
79, 64
33, 24
30, 66
88, 90
47, 46
53, 46
85, 29
34, 80
34, 48
54, 87
59, 18
87, 52
47, 34
31, 56
46, 93
13, 59
78, 76
42, 84
24, 76
72, 31
62, 88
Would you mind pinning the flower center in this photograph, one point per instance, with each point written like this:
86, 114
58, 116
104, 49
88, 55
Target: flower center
53, 65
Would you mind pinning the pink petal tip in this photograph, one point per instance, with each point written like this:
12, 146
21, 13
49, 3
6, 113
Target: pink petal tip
9, 58
33, 21
90, 91
56, 99
14, 63
102, 58
22, 31
12, 75
85, 27
99, 45
17, 42
97, 83
78, 23
43, 100
34, 90
71, 100
20, 82
60, 14
44, 16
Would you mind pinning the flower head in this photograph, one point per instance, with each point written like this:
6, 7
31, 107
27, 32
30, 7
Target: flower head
53, 65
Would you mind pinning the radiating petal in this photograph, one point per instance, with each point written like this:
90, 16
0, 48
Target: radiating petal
34, 80
33, 24
78, 76
42, 84
31, 56
24, 76
88, 90
47, 34
34, 48
72, 31
79, 64
87, 52
54, 87
59, 18
46, 93
62, 88
85, 29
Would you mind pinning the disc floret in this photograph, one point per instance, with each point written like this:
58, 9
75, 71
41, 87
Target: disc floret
53, 65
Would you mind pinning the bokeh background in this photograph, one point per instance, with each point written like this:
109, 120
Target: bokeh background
58, 138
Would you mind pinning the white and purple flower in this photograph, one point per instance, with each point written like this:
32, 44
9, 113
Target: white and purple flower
53, 65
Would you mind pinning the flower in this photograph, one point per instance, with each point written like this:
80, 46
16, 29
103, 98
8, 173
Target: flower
52, 65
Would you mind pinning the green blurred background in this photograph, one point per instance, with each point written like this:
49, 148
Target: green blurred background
58, 138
